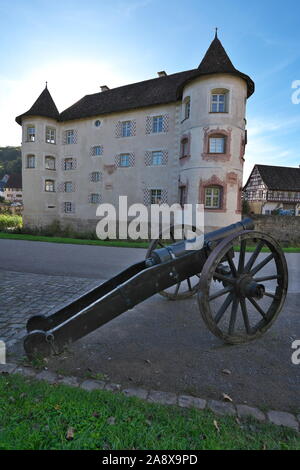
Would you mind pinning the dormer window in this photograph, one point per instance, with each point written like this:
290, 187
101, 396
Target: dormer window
219, 101
30, 136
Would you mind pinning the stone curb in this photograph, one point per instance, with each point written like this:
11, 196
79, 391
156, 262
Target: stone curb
278, 418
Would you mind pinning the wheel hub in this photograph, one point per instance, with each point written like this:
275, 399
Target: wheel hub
247, 287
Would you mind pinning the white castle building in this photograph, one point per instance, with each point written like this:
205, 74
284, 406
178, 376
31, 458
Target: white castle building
176, 138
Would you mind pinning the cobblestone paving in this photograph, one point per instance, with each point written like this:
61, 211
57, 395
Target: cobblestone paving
24, 294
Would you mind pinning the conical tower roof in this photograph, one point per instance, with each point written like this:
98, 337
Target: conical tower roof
216, 59
43, 106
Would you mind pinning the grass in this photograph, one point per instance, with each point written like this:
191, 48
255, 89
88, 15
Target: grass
75, 241
118, 243
36, 415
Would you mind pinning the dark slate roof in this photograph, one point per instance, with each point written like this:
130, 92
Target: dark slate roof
44, 106
279, 178
156, 91
14, 181
161, 90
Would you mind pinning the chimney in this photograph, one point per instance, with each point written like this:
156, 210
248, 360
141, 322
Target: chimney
162, 74
104, 88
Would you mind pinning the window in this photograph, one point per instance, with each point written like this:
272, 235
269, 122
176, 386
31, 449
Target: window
95, 198
68, 186
217, 144
70, 137
219, 101
187, 107
49, 186
157, 124
157, 158
69, 164
30, 161
50, 135
95, 176
97, 150
50, 163
182, 195
184, 147
212, 198
124, 160
156, 196
30, 137
97, 123
69, 207
126, 129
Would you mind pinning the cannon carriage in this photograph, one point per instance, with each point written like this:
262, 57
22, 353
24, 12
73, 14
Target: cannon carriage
239, 275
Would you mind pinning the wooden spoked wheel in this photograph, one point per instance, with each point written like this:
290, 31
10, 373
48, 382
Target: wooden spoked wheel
242, 292
181, 290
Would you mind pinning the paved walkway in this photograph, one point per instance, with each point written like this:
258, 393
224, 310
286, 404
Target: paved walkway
26, 294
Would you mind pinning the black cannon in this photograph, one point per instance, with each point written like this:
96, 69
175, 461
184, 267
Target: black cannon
240, 276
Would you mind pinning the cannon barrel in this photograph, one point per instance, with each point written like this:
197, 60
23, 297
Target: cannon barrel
176, 250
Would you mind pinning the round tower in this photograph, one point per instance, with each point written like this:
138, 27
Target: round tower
40, 161
213, 137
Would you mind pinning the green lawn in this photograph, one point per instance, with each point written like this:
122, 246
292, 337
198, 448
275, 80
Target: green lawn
36, 415
75, 241
119, 243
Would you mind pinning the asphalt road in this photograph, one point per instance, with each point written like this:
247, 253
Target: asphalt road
94, 262
165, 345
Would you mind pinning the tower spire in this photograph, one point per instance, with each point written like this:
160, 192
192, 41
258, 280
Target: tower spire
216, 35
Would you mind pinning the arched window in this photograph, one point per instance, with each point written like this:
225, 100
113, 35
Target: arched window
213, 197
49, 163
219, 100
49, 186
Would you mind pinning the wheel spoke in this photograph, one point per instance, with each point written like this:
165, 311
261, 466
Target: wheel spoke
245, 315
258, 308
266, 278
221, 277
223, 309
254, 256
232, 265
273, 296
177, 289
220, 293
242, 256
233, 315
262, 264
189, 284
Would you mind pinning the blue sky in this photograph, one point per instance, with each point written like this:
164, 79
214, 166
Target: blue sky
79, 45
